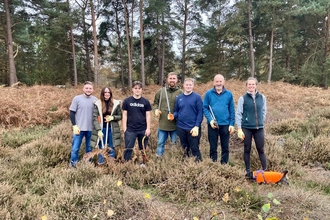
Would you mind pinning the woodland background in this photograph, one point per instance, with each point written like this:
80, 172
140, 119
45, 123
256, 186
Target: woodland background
36, 181
117, 41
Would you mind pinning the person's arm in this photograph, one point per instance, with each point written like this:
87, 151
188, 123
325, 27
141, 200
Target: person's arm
117, 116
264, 107
96, 119
124, 120
176, 108
199, 115
206, 108
73, 117
232, 111
156, 101
148, 131
239, 112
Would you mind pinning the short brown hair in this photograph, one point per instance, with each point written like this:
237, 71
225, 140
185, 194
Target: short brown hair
171, 74
137, 83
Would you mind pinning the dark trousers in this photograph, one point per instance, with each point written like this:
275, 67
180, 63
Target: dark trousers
213, 136
259, 140
190, 143
130, 138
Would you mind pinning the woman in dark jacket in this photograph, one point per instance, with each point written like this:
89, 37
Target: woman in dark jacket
107, 113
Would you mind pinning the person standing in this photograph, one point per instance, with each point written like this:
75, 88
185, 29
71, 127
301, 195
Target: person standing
81, 117
188, 111
219, 110
164, 106
107, 113
250, 117
136, 120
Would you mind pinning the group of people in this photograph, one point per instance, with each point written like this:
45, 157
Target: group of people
180, 113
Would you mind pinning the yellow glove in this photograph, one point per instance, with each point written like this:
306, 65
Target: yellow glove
76, 130
213, 124
170, 116
158, 112
240, 134
231, 129
108, 118
194, 131
100, 134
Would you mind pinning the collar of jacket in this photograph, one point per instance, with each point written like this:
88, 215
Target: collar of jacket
223, 90
172, 89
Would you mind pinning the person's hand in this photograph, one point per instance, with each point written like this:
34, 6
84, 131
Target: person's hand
213, 124
76, 129
147, 132
231, 129
108, 118
100, 134
240, 134
170, 116
194, 131
158, 112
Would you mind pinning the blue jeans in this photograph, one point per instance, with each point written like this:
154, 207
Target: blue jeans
213, 135
190, 143
76, 142
130, 138
112, 152
162, 137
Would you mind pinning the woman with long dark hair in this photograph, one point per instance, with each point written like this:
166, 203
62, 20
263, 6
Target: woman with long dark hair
107, 113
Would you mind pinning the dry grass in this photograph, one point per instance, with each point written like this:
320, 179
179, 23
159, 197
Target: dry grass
35, 180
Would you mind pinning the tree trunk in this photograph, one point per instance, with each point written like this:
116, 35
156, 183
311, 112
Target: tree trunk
115, 5
73, 51
12, 69
270, 56
326, 50
184, 37
251, 39
159, 56
142, 43
86, 45
128, 44
96, 62
163, 49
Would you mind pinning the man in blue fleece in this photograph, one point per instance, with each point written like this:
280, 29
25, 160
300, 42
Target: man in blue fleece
188, 111
219, 110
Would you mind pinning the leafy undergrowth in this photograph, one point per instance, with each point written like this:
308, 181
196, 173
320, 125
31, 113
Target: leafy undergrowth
37, 183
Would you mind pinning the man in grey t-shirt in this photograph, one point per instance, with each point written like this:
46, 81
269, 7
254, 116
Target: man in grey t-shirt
81, 116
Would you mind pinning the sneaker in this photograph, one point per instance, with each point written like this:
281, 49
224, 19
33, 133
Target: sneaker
249, 175
142, 165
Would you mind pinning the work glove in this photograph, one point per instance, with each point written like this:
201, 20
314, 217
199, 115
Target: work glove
76, 130
213, 124
194, 131
158, 112
170, 116
100, 134
108, 118
231, 129
240, 134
